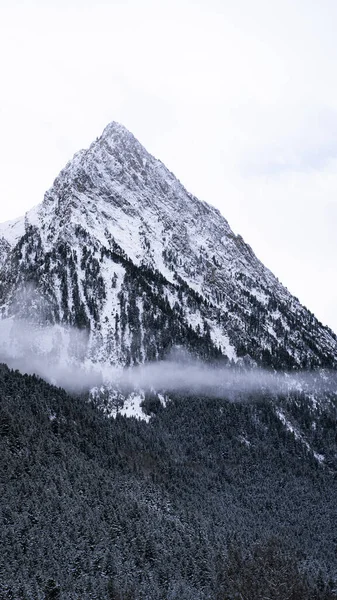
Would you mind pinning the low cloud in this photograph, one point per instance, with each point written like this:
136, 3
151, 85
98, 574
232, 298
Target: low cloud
58, 354
54, 352
183, 374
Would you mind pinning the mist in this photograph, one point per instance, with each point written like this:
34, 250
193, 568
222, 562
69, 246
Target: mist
59, 355
181, 373
55, 353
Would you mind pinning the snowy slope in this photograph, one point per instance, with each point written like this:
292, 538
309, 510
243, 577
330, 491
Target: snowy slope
119, 247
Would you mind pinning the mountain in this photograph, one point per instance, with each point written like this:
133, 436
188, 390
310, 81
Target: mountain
120, 249
205, 499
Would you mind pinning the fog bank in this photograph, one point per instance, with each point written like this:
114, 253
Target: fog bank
58, 354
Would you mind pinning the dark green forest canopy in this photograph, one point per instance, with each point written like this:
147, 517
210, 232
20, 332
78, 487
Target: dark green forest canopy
209, 500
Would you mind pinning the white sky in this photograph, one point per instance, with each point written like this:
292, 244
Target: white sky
237, 97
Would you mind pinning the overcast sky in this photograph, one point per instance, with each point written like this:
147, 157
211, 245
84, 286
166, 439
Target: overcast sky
237, 97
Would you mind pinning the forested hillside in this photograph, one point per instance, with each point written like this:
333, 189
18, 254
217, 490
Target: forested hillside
209, 500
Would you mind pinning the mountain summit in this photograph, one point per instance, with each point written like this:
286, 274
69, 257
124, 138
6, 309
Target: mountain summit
121, 249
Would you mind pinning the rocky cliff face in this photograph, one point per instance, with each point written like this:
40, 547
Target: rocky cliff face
119, 248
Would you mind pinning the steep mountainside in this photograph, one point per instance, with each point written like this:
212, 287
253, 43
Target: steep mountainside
118, 247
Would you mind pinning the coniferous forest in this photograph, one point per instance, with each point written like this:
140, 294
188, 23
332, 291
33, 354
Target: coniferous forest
209, 500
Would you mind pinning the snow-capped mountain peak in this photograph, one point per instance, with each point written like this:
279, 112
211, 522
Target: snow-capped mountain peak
119, 246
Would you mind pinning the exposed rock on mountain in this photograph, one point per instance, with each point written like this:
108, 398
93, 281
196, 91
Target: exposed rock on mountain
119, 247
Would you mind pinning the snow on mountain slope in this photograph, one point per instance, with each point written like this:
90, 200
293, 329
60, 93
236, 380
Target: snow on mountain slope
11, 231
119, 247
